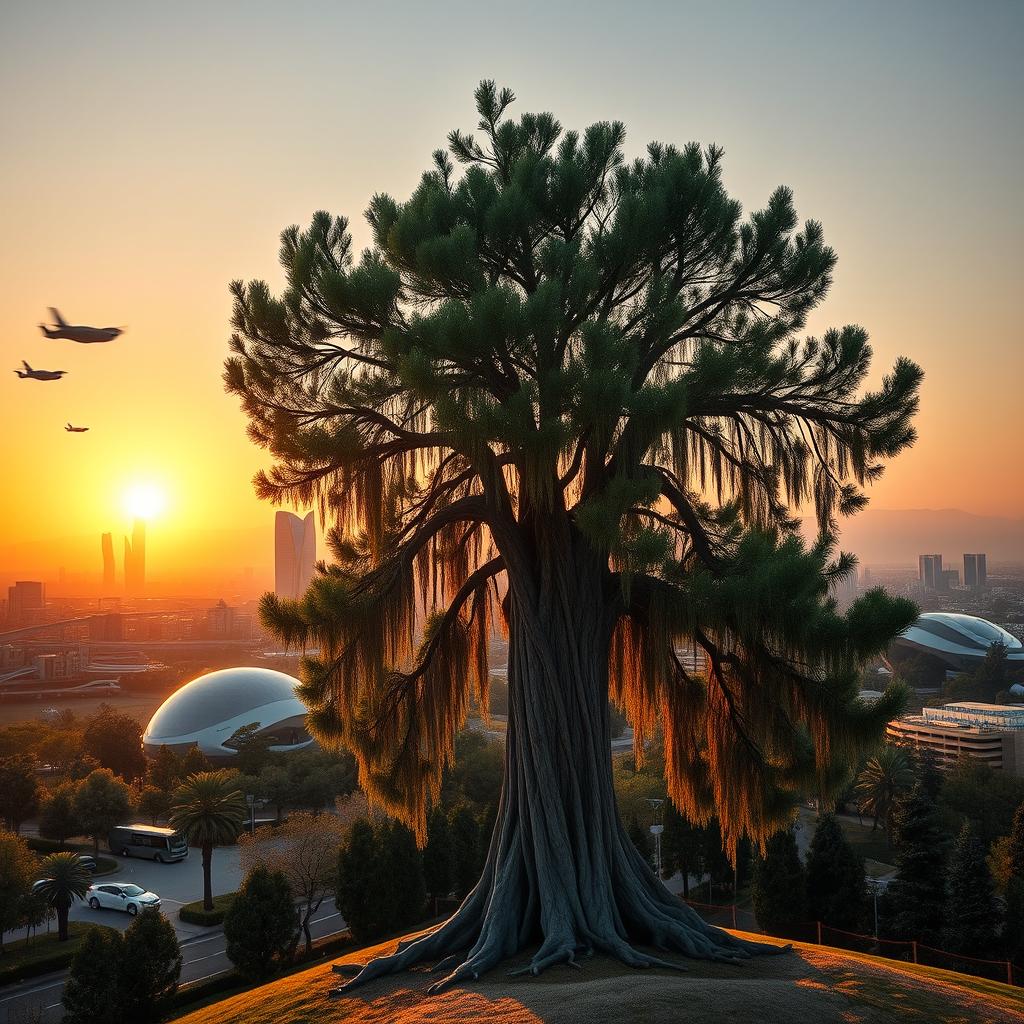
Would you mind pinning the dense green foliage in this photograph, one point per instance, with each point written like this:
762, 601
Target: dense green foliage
779, 891
836, 893
260, 925
150, 966
307, 779
114, 740
466, 840
131, 977
19, 791
101, 801
914, 905
973, 791
17, 872
971, 917
360, 892
92, 992
438, 856
380, 886
57, 818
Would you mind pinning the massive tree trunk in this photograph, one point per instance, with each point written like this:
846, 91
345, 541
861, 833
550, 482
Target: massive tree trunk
561, 872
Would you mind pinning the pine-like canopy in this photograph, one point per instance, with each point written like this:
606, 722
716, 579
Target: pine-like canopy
553, 346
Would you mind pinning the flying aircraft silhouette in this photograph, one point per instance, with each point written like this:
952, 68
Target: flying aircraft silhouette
83, 335
75, 430
39, 374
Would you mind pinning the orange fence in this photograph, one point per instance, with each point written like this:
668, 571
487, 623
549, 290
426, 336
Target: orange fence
910, 951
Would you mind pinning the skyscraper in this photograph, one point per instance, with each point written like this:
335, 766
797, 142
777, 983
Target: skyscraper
294, 553
135, 559
107, 545
975, 571
930, 570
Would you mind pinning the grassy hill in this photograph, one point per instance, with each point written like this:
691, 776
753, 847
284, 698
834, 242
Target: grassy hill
813, 983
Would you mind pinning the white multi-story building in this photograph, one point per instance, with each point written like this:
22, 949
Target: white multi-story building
294, 553
993, 733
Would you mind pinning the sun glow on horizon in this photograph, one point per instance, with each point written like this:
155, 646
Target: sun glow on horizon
144, 500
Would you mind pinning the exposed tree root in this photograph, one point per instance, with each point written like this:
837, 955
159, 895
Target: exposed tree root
560, 866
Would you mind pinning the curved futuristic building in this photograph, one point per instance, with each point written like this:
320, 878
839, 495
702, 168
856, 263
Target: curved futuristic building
955, 642
209, 710
294, 553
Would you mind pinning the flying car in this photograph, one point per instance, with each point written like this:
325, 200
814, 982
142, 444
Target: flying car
31, 374
83, 335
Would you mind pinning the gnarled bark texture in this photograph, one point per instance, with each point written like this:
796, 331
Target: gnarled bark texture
561, 872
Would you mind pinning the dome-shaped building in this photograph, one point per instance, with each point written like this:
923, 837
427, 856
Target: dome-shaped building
210, 709
955, 642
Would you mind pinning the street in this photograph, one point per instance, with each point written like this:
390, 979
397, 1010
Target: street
203, 949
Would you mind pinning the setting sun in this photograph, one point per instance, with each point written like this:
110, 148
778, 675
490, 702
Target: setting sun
144, 501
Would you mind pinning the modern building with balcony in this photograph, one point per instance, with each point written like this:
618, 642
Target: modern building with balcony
993, 733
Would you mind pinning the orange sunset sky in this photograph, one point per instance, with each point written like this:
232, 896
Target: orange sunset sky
154, 152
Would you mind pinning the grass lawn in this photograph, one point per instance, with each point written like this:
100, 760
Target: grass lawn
812, 983
41, 954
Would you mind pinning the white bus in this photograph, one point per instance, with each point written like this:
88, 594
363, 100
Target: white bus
160, 844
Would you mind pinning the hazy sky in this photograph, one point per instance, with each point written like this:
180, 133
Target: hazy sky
153, 151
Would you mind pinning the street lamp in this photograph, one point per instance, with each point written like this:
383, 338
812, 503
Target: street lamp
656, 829
250, 799
875, 885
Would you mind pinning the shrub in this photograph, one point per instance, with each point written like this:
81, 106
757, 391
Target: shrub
149, 969
780, 888
193, 913
91, 994
260, 924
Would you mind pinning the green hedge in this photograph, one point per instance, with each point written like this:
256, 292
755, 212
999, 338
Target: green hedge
193, 913
45, 953
104, 865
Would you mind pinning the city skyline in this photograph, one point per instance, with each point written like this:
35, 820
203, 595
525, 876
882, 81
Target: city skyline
930, 117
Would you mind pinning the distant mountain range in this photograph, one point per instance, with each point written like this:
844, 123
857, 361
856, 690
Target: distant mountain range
897, 536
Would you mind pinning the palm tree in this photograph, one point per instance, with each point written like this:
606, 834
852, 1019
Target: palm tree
882, 780
65, 879
210, 809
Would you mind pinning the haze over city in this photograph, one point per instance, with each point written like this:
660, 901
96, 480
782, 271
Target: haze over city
511, 512
148, 164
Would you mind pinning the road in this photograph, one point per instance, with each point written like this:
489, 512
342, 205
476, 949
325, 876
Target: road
176, 884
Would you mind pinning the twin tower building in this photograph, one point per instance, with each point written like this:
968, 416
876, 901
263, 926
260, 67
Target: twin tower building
294, 554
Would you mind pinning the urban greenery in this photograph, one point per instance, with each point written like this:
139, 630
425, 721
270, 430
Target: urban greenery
210, 809
259, 925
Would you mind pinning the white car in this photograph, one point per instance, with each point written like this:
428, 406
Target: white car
121, 896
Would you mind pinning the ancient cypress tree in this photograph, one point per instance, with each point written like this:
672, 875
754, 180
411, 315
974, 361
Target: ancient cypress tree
564, 394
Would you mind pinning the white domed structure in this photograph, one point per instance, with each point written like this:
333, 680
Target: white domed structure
210, 709
958, 642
